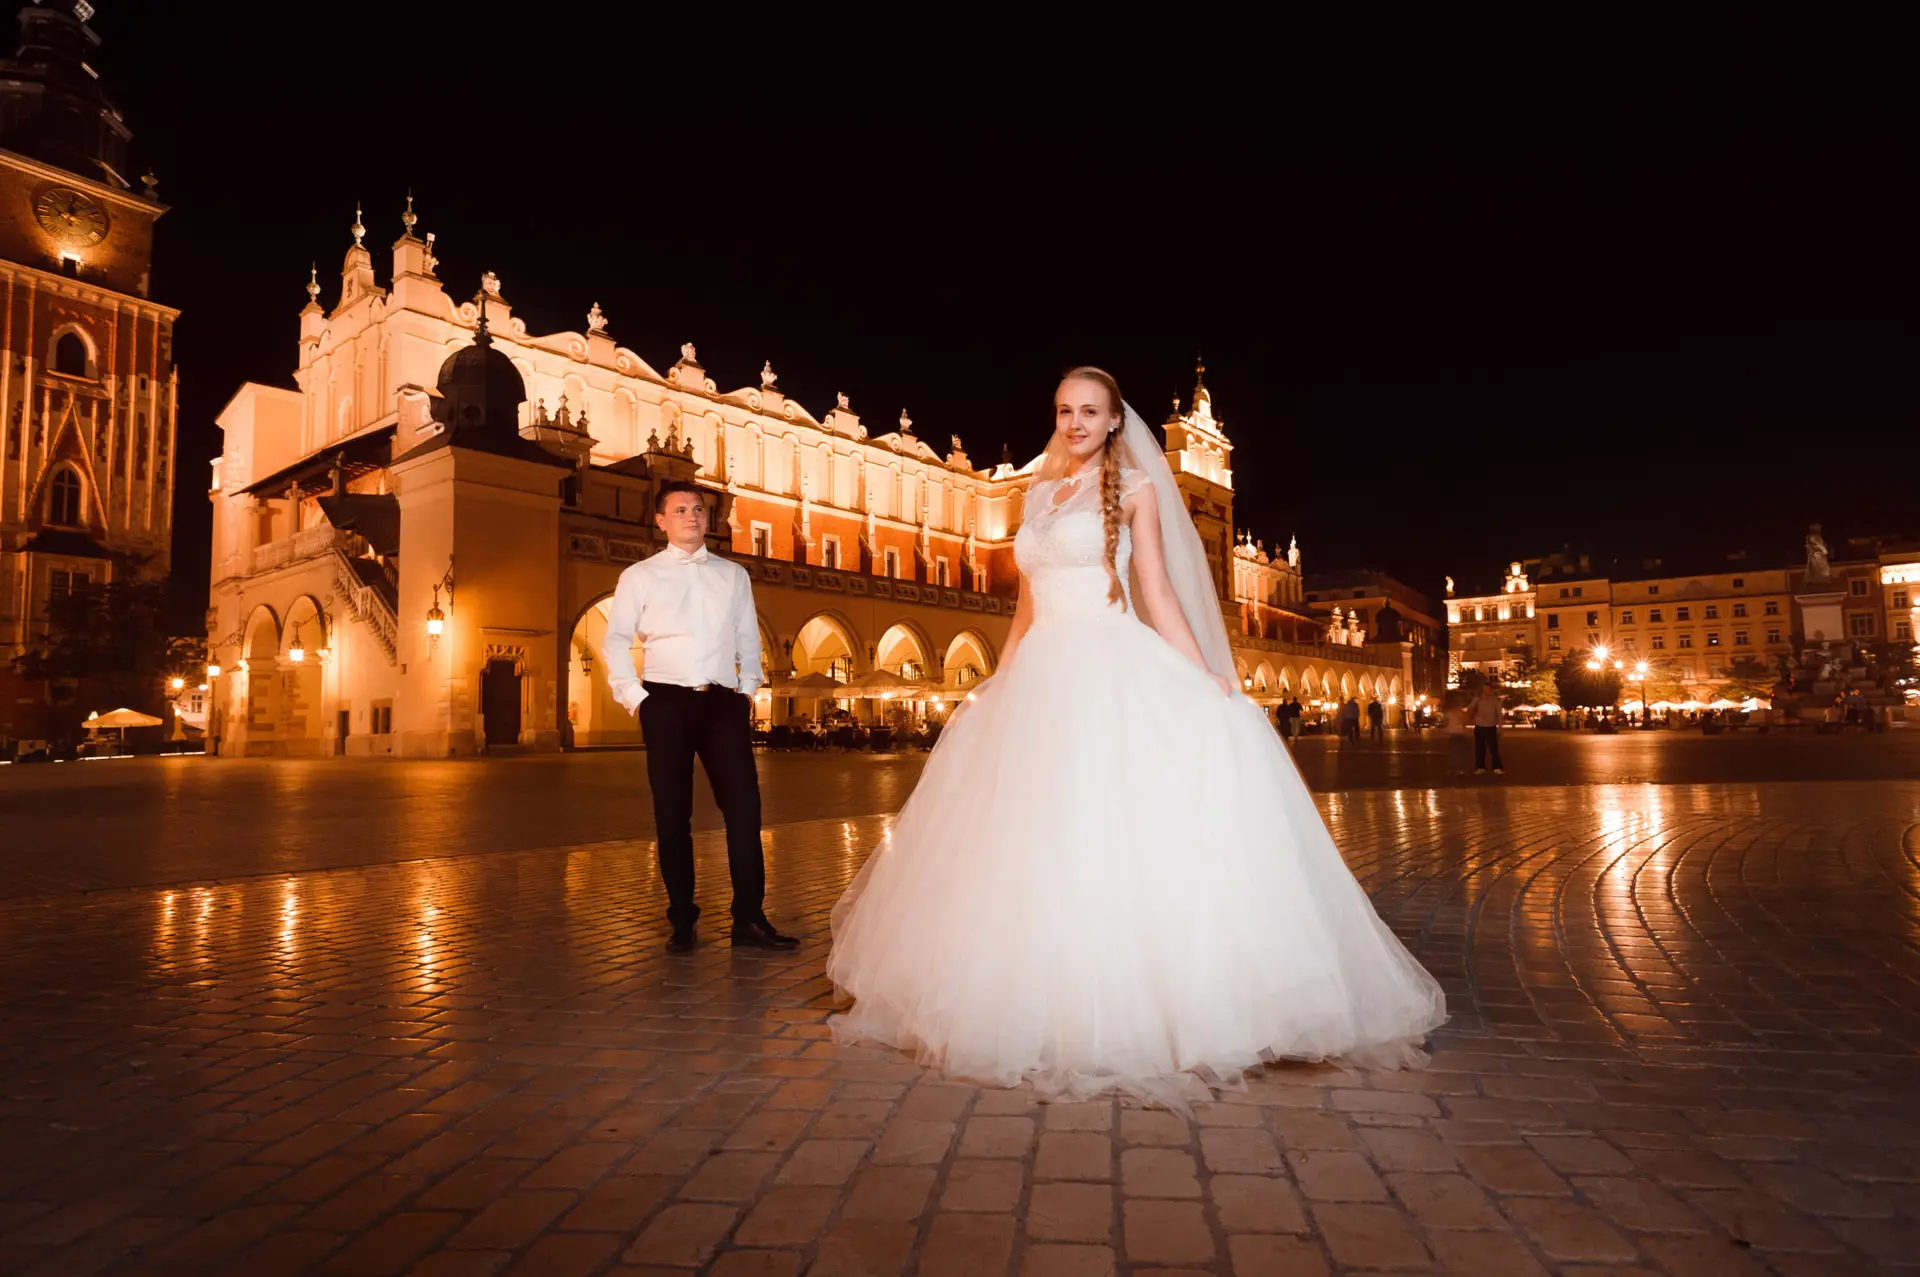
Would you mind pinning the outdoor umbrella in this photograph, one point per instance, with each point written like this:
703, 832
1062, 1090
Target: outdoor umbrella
882, 685
122, 719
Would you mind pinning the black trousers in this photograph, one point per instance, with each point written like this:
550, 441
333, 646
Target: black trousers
717, 727
1486, 740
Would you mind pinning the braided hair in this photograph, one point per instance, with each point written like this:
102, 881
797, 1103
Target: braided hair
1109, 476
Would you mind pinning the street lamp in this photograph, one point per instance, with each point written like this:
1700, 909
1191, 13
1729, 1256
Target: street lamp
1640, 670
178, 684
296, 653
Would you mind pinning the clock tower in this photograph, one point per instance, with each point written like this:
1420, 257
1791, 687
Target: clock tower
87, 389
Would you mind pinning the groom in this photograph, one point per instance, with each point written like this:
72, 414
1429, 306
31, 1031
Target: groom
694, 613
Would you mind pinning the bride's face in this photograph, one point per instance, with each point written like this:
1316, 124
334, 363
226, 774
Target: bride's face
1083, 416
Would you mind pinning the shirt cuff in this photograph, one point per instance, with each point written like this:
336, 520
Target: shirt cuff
630, 697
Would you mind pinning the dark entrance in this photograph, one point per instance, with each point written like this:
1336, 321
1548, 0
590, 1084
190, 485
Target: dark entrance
500, 702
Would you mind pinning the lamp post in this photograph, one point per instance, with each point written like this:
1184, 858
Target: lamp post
1640, 671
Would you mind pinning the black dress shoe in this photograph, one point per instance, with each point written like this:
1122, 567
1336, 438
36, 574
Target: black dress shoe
681, 941
761, 935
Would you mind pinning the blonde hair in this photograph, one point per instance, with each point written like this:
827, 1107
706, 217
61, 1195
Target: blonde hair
1111, 463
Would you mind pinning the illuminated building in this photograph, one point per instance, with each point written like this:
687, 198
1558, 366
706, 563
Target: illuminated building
87, 390
415, 546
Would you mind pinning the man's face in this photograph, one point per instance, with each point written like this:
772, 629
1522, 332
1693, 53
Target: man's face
684, 520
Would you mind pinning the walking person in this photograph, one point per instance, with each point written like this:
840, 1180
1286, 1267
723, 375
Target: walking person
1376, 721
693, 612
1485, 715
1459, 734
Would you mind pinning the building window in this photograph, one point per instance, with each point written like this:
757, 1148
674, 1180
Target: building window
1659, 642
1740, 639
63, 582
1578, 590
1553, 621
890, 559
1713, 638
1655, 616
1773, 636
1713, 611
1903, 630
763, 540
140, 449
1861, 624
980, 578
1630, 644
1626, 617
1565, 592
70, 355
1900, 598
1593, 619
940, 570
1653, 589
381, 719
1553, 642
1739, 582
1772, 607
829, 551
1739, 609
63, 500
1686, 640
1857, 587
1683, 614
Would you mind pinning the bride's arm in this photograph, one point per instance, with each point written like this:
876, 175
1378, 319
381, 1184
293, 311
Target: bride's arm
1155, 597
1022, 619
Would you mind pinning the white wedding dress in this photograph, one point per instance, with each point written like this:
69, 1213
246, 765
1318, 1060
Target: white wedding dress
1111, 876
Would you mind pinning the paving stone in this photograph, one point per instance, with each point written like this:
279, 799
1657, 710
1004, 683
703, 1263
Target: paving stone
1167, 1232
983, 1186
890, 1192
967, 1246
1070, 1212
1158, 1172
1445, 1201
1150, 1126
683, 1235
862, 1247
1570, 1232
1256, 1256
787, 1217
1074, 1156
1336, 1177
1257, 1204
1068, 1261
1362, 1236
997, 1137
824, 1162
1475, 1254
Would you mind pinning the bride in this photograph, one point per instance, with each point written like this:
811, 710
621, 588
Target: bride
1111, 875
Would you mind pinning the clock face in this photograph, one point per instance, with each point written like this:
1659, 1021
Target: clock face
72, 217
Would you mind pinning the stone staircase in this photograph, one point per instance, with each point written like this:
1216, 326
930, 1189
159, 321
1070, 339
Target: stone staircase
371, 596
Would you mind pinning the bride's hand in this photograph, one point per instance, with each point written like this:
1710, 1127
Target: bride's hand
1226, 684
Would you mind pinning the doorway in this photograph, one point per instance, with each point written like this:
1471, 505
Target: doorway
500, 702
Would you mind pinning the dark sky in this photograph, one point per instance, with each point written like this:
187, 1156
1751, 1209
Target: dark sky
1466, 290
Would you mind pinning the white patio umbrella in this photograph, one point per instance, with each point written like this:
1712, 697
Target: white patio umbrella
120, 718
884, 685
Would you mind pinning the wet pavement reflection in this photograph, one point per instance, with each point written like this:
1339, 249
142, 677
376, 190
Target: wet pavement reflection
1685, 1040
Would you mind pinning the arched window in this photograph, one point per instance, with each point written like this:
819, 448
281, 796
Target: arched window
70, 355
63, 500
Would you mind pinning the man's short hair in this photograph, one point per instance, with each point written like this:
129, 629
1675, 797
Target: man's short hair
669, 488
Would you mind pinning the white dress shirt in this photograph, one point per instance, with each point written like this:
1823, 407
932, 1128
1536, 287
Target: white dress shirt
695, 617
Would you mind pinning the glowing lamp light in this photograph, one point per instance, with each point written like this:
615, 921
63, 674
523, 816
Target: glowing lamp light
213, 669
1600, 652
1247, 683
1593, 665
298, 652
1640, 668
178, 684
436, 619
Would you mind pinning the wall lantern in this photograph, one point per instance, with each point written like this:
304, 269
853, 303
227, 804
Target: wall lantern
297, 653
436, 619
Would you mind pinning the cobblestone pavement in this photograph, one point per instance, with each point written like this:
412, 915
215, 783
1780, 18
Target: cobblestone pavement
156, 821
1685, 1036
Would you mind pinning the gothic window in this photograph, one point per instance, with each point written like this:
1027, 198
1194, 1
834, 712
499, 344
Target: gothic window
140, 449
63, 500
120, 439
70, 355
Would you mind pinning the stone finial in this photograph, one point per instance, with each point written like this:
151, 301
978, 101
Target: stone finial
151, 183
359, 231
409, 218
490, 283
686, 353
956, 445
313, 284
906, 423
844, 403
431, 261
767, 375
596, 319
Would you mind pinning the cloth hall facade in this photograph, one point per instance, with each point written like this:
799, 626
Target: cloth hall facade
415, 545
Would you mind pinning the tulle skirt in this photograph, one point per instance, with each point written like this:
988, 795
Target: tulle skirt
1112, 877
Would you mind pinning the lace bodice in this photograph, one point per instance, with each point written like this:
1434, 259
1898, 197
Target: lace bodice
1062, 546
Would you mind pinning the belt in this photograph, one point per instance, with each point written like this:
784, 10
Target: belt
682, 687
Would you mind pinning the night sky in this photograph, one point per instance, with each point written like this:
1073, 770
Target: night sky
1465, 291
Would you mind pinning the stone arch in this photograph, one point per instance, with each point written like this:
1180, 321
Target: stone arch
1346, 684
1264, 679
905, 645
343, 417
827, 644
626, 420
71, 352
306, 620
1393, 688
261, 636
969, 650
67, 501
1288, 679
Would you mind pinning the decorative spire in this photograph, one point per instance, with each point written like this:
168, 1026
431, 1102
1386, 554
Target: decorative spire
359, 231
767, 375
482, 337
596, 319
313, 284
408, 218
906, 423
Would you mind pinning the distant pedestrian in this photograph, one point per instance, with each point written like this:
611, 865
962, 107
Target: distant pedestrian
1376, 721
1350, 720
1459, 734
1485, 715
